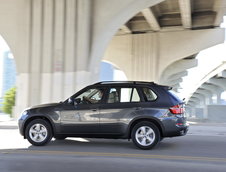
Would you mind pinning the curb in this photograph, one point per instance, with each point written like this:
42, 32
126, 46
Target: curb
8, 125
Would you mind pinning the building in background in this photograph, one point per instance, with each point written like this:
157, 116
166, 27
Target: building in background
8, 74
108, 72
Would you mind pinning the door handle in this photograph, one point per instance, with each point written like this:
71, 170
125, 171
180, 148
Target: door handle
138, 108
94, 110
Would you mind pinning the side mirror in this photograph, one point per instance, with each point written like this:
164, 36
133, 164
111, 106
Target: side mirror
70, 101
74, 101
77, 101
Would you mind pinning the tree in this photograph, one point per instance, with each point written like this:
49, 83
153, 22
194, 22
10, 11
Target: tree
9, 101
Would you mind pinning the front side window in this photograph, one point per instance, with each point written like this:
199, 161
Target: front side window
149, 95
123, 95
90, 96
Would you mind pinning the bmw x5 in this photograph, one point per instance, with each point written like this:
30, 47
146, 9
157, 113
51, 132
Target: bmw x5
144, 112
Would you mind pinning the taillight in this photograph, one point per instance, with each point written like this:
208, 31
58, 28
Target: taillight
177, 109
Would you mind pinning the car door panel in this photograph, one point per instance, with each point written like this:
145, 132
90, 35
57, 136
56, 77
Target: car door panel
80, 119
114, 118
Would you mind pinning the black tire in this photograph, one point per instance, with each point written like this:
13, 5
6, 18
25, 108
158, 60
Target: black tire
60, 137
38, 132
145, 135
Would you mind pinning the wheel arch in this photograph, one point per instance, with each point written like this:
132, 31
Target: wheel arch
155, 121
38, 117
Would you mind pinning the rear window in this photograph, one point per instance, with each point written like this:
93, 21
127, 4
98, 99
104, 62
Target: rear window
149, 95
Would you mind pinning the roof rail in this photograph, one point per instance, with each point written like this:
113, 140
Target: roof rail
131, 82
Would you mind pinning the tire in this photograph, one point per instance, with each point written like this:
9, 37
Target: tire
145, 135
38, 132
60, 137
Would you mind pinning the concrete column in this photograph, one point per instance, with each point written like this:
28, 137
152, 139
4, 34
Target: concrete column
35, 51
215, 88
207, 94
201, 97
47, 53
58, 51
219, 98
19, 43
83, 43
144, 57
70, 45
191, 105
199, 113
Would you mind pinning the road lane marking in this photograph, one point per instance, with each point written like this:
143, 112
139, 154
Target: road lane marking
119, 155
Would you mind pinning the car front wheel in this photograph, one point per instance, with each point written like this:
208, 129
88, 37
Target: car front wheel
38, 132
145, 135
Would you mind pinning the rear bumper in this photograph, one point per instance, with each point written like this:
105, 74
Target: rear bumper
175, 127
183, 131
180, 131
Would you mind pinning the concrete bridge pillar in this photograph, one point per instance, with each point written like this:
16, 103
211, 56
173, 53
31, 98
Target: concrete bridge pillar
50, 40
208, 95
215, 89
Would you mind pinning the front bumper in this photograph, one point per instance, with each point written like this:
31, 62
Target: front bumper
21, 128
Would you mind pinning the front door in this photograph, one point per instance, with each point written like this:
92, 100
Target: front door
83, 116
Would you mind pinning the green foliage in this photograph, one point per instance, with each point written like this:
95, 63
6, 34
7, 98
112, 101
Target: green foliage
9, 101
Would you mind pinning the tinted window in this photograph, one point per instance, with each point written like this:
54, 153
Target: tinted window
149, 95
113, 96
123, 95
135, 96
91, 96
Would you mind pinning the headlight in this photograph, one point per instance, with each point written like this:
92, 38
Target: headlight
24, 115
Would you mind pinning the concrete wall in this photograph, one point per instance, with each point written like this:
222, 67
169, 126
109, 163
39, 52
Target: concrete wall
199, 113
216, 113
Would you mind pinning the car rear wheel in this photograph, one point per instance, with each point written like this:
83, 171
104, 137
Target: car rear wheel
145, 135
38, 132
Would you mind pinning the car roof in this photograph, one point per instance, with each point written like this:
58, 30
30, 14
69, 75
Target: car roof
130, 83
123, 82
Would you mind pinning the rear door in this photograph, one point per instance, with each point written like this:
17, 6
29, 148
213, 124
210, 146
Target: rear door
120, 106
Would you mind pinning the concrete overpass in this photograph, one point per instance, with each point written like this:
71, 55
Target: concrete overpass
212, 105
59, 44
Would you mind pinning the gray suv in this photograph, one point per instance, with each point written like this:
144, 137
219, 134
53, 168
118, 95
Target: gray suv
142, 111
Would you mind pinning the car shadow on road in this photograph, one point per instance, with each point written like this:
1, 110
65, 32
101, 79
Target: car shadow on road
106, 145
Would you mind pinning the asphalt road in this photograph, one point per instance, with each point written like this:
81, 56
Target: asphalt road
202, 150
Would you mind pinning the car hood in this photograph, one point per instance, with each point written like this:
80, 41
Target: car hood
43, 106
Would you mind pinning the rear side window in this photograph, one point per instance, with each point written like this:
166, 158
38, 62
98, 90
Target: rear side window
149, 95
123, 95
129, 95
